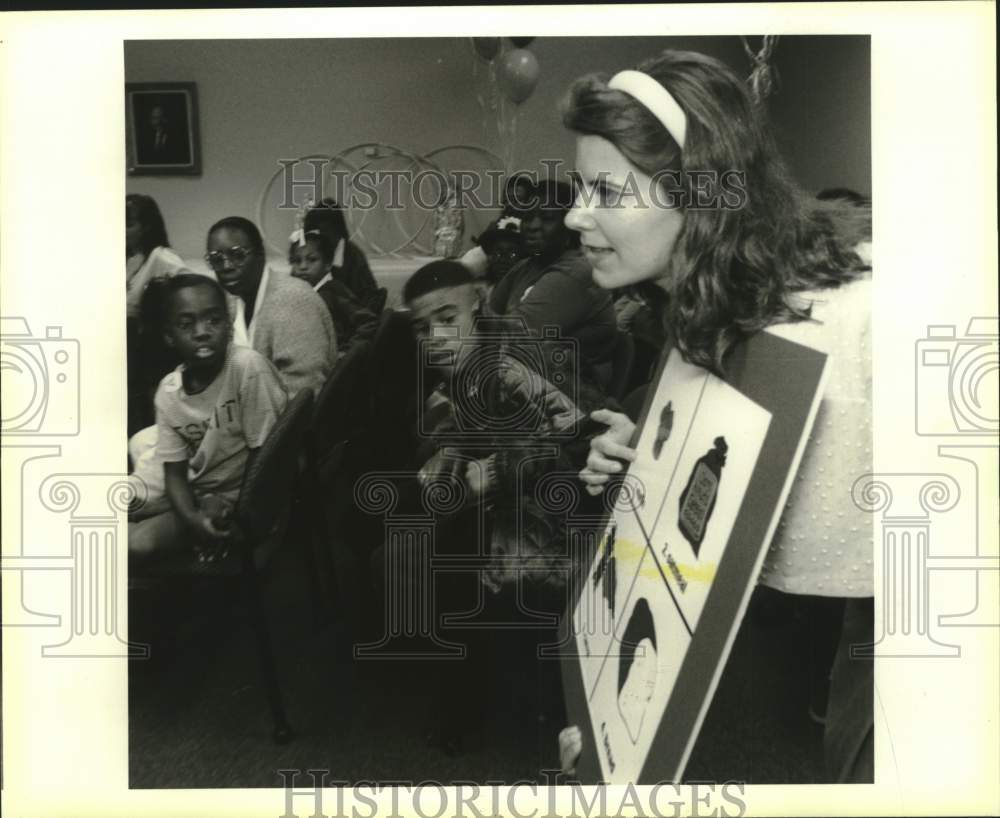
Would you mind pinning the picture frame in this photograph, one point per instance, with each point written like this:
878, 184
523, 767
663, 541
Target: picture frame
685, 593
162, 135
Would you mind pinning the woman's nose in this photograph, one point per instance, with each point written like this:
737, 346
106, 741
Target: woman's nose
579, 217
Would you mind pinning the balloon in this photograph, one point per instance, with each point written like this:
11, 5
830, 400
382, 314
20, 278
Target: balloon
486, 47
518, 74
521, 42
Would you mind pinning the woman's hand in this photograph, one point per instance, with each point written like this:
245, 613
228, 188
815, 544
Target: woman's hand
608, 449
570, 746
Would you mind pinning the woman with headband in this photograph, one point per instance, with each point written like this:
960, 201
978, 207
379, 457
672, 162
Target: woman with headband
683, 196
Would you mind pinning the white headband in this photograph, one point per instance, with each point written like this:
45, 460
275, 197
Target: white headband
655, 98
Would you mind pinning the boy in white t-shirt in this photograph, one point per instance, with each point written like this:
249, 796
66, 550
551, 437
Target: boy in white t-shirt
212, 415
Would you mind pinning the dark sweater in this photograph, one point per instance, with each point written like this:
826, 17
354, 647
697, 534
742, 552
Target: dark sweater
561, 293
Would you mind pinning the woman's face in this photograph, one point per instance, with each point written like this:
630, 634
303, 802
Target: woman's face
133, 231
544, 232
626, 229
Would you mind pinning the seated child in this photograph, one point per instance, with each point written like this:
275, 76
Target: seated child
502, 244
515, 201
350, 267
493, 413
311, 257
499, 427
212, 414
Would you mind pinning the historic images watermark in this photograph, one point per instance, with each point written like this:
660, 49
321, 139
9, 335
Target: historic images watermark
426, 188
310, 793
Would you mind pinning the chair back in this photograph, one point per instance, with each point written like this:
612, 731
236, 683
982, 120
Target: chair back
270, 478
342, 404
393, 363
621, 365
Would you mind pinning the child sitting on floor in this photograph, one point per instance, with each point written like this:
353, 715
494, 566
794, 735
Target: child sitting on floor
212, 414
311, 257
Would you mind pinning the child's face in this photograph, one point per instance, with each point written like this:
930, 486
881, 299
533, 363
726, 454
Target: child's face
502, 255
443, 320
308, 263
198, 328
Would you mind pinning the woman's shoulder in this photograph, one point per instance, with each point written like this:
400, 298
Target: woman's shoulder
843, 311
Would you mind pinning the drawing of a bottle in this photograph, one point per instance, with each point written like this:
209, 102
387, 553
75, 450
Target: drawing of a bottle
664, 429
698, 498
606, 571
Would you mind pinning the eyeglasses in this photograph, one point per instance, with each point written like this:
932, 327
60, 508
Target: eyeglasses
499, 255
234, 255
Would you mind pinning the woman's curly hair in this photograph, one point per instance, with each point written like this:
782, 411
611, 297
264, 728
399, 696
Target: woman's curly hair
734, 269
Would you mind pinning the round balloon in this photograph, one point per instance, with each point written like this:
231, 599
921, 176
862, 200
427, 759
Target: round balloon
521, 42
518, 74
486, 47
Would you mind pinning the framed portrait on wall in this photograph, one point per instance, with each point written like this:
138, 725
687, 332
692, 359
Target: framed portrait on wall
162, 129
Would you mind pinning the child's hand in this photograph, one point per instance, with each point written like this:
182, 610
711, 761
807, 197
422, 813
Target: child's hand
212, 535
570, 747
213, 528
477, 478
435, 467
612, 444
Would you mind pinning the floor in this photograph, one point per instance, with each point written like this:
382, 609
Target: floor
198, 716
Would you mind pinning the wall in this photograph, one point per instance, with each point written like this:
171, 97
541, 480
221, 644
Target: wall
263, 100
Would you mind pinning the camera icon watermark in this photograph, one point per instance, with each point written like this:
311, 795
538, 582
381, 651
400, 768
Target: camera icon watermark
956, 379
94, 563
497, 380
41, 381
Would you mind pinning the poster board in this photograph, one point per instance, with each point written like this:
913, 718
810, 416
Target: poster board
658, 605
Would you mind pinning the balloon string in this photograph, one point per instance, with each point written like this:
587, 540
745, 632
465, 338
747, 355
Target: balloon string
763, 78
477, 84
513, 139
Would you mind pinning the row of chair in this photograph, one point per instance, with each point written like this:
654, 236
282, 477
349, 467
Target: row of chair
300, 487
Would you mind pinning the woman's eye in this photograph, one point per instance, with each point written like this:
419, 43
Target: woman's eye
608, 196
